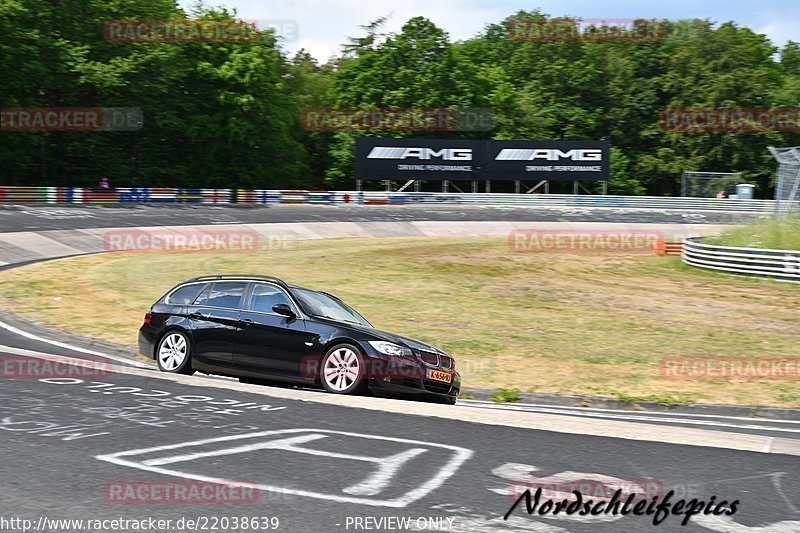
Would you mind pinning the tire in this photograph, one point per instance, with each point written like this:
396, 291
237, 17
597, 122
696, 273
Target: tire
342, 370
173, 353
446, 400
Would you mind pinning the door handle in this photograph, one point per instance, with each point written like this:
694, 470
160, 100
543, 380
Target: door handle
197, 315
247, 320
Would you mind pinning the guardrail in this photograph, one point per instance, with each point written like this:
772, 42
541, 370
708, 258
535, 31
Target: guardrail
576, 201
781, 265
85, 195
509, 200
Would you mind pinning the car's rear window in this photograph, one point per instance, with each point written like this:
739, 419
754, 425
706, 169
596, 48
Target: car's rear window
226, 294
185, 295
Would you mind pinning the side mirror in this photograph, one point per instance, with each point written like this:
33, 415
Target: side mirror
284, 309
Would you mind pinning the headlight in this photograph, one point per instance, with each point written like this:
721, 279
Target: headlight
390, 348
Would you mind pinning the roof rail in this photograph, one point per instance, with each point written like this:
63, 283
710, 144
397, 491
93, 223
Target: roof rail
213, 277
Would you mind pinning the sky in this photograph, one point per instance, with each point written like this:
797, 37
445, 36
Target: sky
321, 26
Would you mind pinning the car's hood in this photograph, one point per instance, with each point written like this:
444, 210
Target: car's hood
395, 338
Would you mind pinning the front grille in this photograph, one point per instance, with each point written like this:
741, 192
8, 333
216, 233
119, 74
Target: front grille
436, 387
429, 358
436, 359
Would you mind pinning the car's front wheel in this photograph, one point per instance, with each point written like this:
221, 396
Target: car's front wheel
173, 353
451, 399
343, 370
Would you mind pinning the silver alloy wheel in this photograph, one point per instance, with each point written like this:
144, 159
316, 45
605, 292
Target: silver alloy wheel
172, 351
341, 369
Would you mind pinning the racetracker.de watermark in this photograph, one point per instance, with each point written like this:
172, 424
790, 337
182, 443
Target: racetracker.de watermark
74, 119
730, 368
406, 119
54, 366
730, 120
191, 240
583, 241
197, 30
596, 30
394, 367
160, 492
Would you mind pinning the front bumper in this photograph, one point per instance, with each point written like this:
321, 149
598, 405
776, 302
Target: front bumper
417, 386
403, 375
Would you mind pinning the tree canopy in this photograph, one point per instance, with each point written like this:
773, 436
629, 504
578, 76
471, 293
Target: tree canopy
228, 114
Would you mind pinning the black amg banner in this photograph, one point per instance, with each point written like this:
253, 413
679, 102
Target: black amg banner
419, 159
435, 159
548, 160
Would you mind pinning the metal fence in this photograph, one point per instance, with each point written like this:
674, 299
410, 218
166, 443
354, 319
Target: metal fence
708, 184
781, 265
787, 184
84, 195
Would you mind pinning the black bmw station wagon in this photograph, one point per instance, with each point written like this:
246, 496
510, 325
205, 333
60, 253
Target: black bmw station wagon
258, 328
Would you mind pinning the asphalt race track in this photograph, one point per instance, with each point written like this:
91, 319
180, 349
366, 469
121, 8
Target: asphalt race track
41, 218
74, 445
61, 436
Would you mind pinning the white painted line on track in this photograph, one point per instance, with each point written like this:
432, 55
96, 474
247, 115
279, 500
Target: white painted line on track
585, 410
372, 485
66, 346
643, 418
66, 359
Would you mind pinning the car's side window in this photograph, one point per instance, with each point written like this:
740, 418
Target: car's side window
265, 296
185, 295
225, 294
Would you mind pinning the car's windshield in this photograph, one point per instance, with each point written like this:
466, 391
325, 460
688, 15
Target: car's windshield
319, 304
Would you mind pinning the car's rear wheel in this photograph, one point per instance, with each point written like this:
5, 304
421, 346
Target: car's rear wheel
343, 370
173, 354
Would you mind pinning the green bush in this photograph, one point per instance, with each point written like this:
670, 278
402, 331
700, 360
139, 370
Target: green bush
505, 395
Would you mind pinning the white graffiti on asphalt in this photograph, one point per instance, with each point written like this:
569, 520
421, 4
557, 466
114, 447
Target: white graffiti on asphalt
49, 429
726, 524
225, 406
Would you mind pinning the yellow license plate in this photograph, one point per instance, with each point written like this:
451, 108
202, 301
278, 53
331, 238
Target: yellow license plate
438, 375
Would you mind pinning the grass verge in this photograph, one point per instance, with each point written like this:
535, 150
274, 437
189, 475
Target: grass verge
577, 324
775, 234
